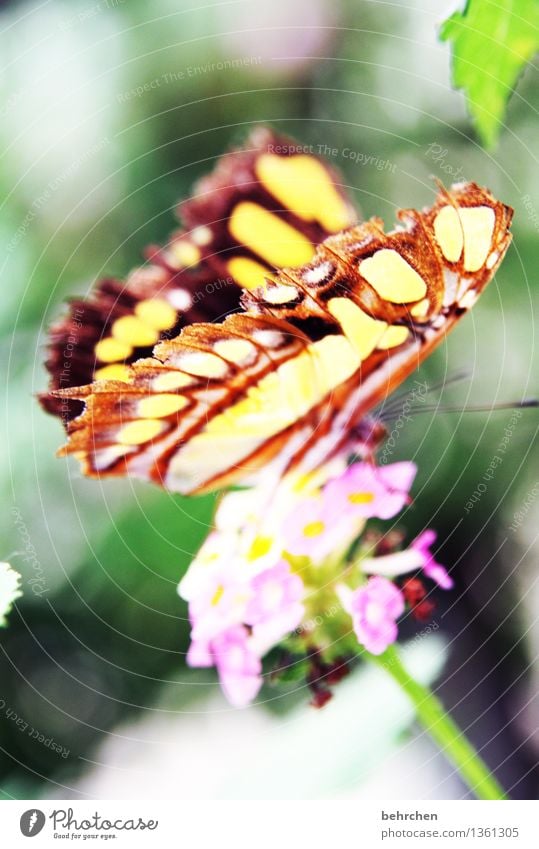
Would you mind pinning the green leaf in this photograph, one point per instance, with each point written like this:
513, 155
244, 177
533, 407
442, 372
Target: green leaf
492, 42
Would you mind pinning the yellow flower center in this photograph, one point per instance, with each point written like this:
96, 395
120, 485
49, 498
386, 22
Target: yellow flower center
217, 596
360, 497
209, 558
313, 529
259, 547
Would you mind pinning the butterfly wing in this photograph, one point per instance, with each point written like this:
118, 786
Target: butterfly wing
289, 380
265, 207
266, 204
119, 323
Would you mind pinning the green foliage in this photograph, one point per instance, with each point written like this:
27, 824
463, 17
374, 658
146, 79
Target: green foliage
288, 669
492, 40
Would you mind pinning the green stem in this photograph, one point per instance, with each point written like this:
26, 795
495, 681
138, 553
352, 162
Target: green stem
451, 740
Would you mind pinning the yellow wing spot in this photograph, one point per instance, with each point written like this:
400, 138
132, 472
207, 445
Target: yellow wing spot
112, 350
185, 253
112, 372
136, 433
420, 309
478, 225
280, 294
202, 364
133, 331
268, 236
157, 312
297, 383
236, 351
448, 233
303, 186
393, 337
247, 272
392, 277
360, 329
157, 406
171, 380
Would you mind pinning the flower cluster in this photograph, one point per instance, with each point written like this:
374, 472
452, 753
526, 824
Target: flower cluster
280, 558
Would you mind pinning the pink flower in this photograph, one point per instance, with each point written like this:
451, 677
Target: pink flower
375, 607
218, 607
416, 556
199, 654
328, 524
238, 666
370, 491
275, 607
433, 570
311, 531
235, 622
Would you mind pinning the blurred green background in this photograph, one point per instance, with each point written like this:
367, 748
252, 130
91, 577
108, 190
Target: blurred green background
109, 111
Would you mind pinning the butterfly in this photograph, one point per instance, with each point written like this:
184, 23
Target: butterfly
333, 316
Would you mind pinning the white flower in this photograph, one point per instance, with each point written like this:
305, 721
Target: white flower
9, 589
218, 554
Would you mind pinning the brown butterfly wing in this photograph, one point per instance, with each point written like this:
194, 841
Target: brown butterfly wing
291, 379
94, 340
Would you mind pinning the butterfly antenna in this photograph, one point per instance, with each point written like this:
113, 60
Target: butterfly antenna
395, 402
526, 403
